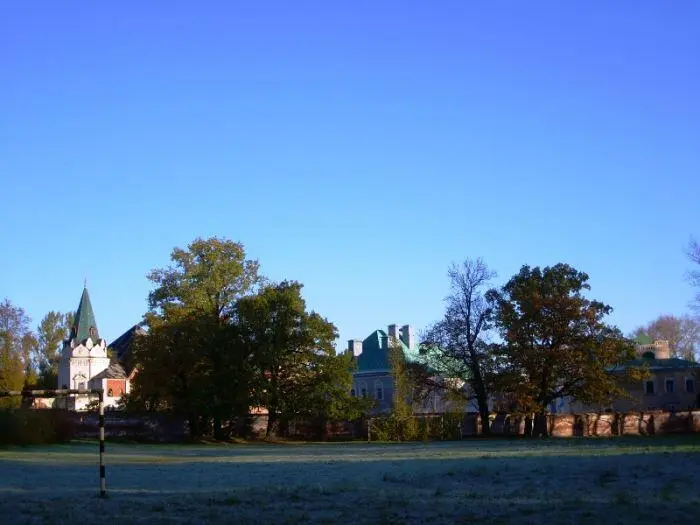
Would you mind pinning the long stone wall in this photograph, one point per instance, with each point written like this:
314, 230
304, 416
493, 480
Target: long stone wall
590, 424
163, 428
148, 427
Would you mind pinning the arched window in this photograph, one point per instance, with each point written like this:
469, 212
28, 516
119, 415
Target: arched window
352, 392
110, 392
363, 389
378, 390
79, 381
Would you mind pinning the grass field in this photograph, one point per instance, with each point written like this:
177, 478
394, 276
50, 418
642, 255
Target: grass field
622, 480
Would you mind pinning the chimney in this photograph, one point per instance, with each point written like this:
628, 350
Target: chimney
355, 346
393, 332
407, 336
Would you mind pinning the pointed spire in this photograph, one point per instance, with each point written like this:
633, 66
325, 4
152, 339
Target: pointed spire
84, 324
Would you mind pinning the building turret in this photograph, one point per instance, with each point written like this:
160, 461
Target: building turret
84, 353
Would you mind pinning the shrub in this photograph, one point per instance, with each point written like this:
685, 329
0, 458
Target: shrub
34, 427
416, 428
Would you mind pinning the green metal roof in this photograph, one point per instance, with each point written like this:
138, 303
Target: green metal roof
373, 356
84, 320
643, 340
673, 363
376, 358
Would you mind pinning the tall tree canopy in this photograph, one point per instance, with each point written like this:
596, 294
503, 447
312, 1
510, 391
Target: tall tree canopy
298, 371
217, 345
53, 329
189, 361
455, 346
555, 341
209, 276
682, 334
17, 343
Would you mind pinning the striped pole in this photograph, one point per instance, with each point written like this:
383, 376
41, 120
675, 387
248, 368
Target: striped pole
103, 481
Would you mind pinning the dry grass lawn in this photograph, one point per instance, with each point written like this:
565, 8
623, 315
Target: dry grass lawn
619, 480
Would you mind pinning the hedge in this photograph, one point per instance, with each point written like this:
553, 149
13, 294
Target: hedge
34, 427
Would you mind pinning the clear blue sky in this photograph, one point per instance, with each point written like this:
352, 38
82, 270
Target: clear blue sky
358, 147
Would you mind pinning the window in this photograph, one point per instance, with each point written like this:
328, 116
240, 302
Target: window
670, 385
379, 390
352, 392
81, 385
690, 385
110, 393
649, 388
363, 389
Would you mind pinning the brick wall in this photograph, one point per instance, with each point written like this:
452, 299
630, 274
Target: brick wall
591, 424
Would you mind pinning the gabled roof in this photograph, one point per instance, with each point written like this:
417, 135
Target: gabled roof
374, 356
113, 371
84, 320
121, 346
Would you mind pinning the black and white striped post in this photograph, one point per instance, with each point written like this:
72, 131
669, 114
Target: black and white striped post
103, 477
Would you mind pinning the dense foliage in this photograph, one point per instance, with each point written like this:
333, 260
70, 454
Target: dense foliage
220, 344
35, 427
555, 342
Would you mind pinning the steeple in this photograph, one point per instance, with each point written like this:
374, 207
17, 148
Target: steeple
84, 324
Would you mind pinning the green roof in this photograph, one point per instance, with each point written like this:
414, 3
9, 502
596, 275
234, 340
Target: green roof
673, 363
643, 340
374, 356
84, 320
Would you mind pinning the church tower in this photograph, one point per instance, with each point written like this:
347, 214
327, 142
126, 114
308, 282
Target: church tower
84, 353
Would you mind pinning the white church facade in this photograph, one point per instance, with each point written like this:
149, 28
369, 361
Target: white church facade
86, 365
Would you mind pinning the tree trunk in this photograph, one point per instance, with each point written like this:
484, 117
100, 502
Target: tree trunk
218, 430
195, 429
540, 425
271, 425
484, 413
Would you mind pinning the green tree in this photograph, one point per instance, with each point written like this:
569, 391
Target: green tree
174, 367
555, 340
16, 346
401, 421
329, 398
293, 353
188, 359
208, 277
455, 347
53, 329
